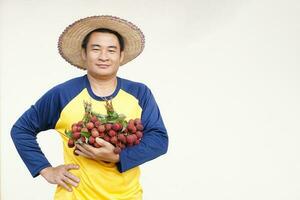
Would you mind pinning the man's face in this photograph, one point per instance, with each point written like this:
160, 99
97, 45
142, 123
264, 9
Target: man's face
103, 56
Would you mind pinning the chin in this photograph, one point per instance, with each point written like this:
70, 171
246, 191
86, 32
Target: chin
103, 74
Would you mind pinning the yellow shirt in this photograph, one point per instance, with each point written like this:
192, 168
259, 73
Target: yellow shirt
98, 180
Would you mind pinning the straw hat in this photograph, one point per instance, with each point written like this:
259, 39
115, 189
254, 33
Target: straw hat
69, 44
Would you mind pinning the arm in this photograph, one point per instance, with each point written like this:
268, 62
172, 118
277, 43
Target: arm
43, 115
155, 140
39, 117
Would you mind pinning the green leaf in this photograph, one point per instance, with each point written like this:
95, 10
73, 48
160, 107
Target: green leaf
85, 134
124, 124
112, 121
104, 121
68, 133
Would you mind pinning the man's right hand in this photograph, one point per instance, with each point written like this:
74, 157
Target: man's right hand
60, 175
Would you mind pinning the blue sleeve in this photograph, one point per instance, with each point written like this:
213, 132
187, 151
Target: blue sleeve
154, 141
39, 117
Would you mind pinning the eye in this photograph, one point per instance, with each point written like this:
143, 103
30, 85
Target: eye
111, 51
95, 49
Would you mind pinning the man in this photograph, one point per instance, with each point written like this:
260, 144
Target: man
99, 44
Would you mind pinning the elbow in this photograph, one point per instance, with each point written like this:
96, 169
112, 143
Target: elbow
13, 133
165, 145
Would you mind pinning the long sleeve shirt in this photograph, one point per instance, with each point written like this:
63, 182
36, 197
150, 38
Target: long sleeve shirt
62, 106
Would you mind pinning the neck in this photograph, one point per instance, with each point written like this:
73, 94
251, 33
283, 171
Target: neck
102, 86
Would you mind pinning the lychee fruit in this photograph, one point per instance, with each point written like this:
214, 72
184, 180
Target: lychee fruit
71, 143
139, 134
91, 140
112, 133
94, 119
90, 125
76, 135
122, 137
95, 132
108, 126
83, 139
139, 127
117, 127
114, 140
101, 128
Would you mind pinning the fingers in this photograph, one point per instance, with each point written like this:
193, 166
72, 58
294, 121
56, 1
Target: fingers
83, 154
68, 178
69, 181
72, 177
71, 166
88, 147
64, 185
85, 149
101, 141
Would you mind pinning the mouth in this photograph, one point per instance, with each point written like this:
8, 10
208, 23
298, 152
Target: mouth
103, 66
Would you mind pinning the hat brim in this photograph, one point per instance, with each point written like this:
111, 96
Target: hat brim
70, 41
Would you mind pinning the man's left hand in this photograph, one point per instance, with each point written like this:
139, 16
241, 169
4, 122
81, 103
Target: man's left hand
104, 153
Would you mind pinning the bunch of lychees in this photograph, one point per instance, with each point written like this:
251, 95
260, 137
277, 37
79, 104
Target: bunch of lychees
112, 128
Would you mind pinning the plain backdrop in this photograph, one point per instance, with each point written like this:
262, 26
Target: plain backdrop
225, 74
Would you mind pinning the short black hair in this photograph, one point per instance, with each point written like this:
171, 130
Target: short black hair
103, 30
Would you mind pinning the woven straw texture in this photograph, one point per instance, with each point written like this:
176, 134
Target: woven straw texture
69, 44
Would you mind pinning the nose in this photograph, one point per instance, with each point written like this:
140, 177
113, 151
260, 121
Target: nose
103, 56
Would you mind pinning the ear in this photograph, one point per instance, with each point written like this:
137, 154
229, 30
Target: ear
83, 54
122, 56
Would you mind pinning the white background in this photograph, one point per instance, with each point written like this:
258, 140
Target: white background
224, 73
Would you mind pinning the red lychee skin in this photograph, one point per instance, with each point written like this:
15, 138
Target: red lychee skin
140, 127
79, 128
129, 139
71, 143
112, 133
94, 119
95, 132
80, 123
134, 137
101, 134
90, 125
97, 124
83, 139
84, 129
74, 128
97, 145
139, 134
122, 138
107, 138
101, 128
131, 122
76, 135
120, 144
114, 140
117, 150
91, 140
117, 127
137, 142
108, 126
137, 121
132, 129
